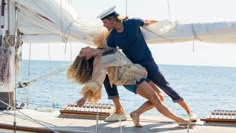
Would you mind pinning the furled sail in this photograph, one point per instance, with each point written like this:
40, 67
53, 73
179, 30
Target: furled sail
211, 32
56, 21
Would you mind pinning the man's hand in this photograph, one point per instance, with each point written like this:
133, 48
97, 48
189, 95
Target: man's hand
147, 22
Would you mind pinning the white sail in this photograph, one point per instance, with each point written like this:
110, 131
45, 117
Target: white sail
214, 32
56, 21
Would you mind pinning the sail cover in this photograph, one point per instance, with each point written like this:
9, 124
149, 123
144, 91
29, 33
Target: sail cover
211, 32
56, 21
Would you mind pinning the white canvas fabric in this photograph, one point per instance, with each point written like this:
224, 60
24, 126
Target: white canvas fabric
56, 21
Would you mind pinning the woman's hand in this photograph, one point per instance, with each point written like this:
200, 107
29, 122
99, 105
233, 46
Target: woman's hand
81, 102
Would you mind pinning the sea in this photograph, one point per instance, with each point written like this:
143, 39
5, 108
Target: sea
204, 88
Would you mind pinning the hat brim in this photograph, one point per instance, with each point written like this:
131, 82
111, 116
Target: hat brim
107, 13
112, 14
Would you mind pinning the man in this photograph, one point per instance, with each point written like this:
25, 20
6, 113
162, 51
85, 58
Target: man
126, 35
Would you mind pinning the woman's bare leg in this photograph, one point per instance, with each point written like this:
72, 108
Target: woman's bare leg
155, 88
143, 108
145, 90
146, 106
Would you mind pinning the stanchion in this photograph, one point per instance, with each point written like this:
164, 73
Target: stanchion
120, 125
97, 118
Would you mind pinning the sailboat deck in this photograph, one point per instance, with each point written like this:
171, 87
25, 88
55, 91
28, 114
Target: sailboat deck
151, 124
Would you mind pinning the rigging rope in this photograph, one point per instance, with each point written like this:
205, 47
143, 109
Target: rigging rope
168, 5
49, 54
28, 87
126, 8
25, 84
195, 37
17, 58
32, 119
164, 38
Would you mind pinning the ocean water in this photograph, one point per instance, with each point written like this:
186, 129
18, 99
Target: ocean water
203, 88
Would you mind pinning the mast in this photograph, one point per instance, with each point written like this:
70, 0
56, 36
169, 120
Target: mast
2, 13
7, 36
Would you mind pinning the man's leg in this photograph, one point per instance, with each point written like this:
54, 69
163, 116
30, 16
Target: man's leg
157, 77
119, 108
113, 94
164, 85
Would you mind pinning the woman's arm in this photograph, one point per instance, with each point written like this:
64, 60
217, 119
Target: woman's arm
82, 100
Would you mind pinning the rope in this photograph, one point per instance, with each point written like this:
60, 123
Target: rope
164, 38
25, 84
18, 44
61, 19
71, 56
28, 87
64, 33
168, 5
31, 103
66, 36
126, 8
49, 54
194, 33
36, 121
195, 36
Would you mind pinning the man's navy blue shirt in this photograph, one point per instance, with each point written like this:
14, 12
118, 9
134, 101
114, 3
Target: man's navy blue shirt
131, 40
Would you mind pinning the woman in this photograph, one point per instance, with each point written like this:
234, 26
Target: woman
91, 66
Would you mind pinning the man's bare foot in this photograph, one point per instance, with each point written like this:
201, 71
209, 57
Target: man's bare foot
81, 102
135, 117
186, 124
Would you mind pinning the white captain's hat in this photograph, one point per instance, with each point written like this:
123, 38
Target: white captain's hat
107, 13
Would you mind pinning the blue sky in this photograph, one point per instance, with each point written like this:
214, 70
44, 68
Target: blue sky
176, 53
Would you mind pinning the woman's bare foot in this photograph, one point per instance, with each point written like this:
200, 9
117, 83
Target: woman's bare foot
135, 117
81, 102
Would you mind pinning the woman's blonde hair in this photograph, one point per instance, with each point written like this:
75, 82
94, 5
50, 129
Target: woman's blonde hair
81, 70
